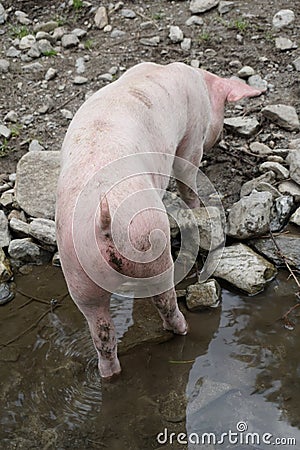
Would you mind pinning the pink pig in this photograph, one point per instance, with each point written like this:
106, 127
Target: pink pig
152, 110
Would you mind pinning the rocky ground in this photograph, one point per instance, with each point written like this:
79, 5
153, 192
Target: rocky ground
53, 57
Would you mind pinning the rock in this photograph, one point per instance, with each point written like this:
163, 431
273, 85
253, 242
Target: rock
69, 40
58, 33
37, 174
117, 33
175, 34
106, 77
80, 65
33, 67
80, 80
186, 44
293, 159
290, 188
150, 42
289, 245
295, 144
280, 171
56, 260
27, 119
5, 269
281, 212
101, 19
12, 52
295, 218
26, 251
7, 198
257, 82
195, 63
19, 228
283, 43
4, 65
45, 47
260, 149
5, 237
146, 25
194, 20
6, 295
250, 216
296, 64
3, 14
67, 114
79, 32
45, 26
243, 126
246, 72
128, 13
22, 18
11, 116
200, 6
35, 146
243, 268
283, 18
43, 230
27, 42
5, 131
50, 74
283, 115
203, 295
43, 35
275, 158
34, 51
225, 6
248, 187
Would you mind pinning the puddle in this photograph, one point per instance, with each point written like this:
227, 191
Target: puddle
237, 365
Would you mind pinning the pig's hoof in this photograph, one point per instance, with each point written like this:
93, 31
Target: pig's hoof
109, 369
179, 328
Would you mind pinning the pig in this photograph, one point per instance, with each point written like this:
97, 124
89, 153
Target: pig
152, 110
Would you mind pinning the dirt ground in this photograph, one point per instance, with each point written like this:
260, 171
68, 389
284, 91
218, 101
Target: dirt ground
245, 34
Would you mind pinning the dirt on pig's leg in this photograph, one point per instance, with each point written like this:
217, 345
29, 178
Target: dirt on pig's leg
173, 319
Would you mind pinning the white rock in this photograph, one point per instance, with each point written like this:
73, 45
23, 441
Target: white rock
186, 44
243, 126
45, 26
283, 18
3, 14
26, 42
5, 131
12, 52
295, 218
257, 82
200, 6
43, 230
117, 33
80, 65
194, 20
243, 268
281, 171
151, 42
33, 67
290, 188
106, 77
11, 116
79, 32
22, 18
293, 159
34, 51
5, 237
246, 72
250, 185
175, 34
225, 6
27, 251
19, 227
4, 65
50, 74
285, 116
128, 13
45, 46
69, 40
260, 149
67, 114
35, 146
80, 80
195, 63
101, 18
296, 64
283, 43
250, 216
203, 295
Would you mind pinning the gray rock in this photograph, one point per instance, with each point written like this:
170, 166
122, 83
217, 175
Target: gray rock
243, 126
43, 230
260, 149
200, 6
289, 246
248, 187
267, 187
283, 43
281, 212
3, 14
146, 25
26, 251
243, 268
56, 260
117, 33
150, 42
45, 26
35, 146
58, 33
45, 46
283, 115
296, 64
27, 41
80, 65
79, 32
175, 34
50, 74
101, 18
128, 13
257, 82
203, 295
106, 77
290, 188
275, 158
186, 44
195, 63
7, 198
37, 174
22, 18
225, 6
12, 52
246, 72
5, 269
69, 40
293, 160
280, 171
294, 144
4, 65
43, 35
34, 51
67, 114
27, 119
194, 20
5, 237
19, 228
80, 80
5, 131
250, 216
33, 67
295, 218
283, 18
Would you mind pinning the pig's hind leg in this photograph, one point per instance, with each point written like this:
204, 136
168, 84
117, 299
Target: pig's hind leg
173, 319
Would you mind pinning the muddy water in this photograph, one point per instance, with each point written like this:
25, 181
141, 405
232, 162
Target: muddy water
238, 364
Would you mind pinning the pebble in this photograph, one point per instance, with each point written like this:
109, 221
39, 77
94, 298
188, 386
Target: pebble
117, 33
58, 33
290, 188
5, 131
283, 115
281, 212
7, 198
27, 41
246, 72
35, 146
260, 149
258, 83
69, 40
203, 295
194, 20
146, 25
11, 116
283, 18
43, 230
80, 65
293, 159
275, 158
280, 171
295, 218
101, 18
43, 35
45, 26
5, 237
243, 126
22, 18
128, 13
296, 64
225, 6
79, 32
200, 6
3, 14
45, 46
250, 185
19, 228
106, 77
34, 51
195, 63
33, 67
186, 44
67, 114
80, 80
26, 251
4, 65
12, 52
150, 42
27, 119
283, 43
175, 34
50, 74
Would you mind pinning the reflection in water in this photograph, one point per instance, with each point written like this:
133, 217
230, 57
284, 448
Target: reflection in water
236, 364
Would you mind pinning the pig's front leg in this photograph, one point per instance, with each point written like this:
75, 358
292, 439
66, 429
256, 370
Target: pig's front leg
173, 319
188, 195
103, 334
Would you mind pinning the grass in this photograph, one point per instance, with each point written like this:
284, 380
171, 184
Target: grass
157, 16
204, 36
4, 148
15, 130
77, 4
50, 53
89, 44
240, 25
19, 32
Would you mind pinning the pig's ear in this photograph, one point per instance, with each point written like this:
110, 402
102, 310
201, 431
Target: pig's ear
237, 90
104, 214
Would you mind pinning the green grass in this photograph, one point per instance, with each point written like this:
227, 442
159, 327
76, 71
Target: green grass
4, 148
89, 44
204, 36
15, 130
77, 4
50, 53
240, 25
19, 31
157, 16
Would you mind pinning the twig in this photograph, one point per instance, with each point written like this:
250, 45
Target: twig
97, 443
66, 102
31, 297
148, 19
